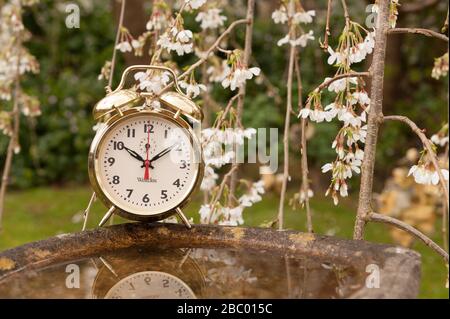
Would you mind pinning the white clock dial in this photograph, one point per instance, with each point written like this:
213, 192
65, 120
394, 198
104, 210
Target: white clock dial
150, 285
147, 164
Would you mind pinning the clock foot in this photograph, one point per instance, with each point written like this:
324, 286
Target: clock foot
183, 218
87, 211
107, 216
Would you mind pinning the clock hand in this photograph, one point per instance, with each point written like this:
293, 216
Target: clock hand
163, 152
135, 155
147, 162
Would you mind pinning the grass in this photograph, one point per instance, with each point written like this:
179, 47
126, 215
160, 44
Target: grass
43, 212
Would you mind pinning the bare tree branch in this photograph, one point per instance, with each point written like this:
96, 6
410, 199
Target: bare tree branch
426, 32
327, 26
303, 150
242, 90
373, 123
287, 122
374, 217
114, 57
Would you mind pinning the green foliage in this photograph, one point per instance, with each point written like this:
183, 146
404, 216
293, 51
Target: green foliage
55, 146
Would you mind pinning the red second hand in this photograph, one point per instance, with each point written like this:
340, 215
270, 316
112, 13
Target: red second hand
147, 163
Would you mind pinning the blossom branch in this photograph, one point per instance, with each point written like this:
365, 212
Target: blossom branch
378, 218
428, 146
12, 142
303, 152
426, 32
242, 90
224, 182
213, 47
444, 214
327, 26
445, 27
221, 119
287, 122
114, 57
339, 77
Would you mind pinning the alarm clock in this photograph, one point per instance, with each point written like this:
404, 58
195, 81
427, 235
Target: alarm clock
145, 160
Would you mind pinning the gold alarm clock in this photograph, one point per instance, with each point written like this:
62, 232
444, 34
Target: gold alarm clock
145, 160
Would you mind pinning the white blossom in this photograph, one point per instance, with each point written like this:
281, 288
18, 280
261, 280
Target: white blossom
124, 46
439, 140
211, 19
195, 4
341, 84
238, 78
425, 175
153, 83
300, 41
280, 16
192, 89
304, 17
178, 41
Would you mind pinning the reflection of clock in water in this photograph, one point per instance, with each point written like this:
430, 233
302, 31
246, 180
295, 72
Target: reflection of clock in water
151, 285
148, 273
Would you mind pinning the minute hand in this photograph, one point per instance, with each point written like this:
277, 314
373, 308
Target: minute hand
162, 153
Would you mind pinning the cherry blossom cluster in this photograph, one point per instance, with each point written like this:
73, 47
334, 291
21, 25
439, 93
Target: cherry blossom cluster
216, 213
441, 137
15, 61
440, 68
350, 106
425, 172
237, 73
293, 13
219, 150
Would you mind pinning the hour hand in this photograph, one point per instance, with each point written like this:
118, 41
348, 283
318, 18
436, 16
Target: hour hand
135, 155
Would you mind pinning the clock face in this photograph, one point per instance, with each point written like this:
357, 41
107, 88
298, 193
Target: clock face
147, 164
150, 285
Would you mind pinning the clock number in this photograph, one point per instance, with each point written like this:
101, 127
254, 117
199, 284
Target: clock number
111, 161
132, 286
118, 145
131, 132
148, 128
164, 194
165, 283
177, 183
116, 180
165, 133
180, 292
148, 280
183, 164
145, 199
130, 191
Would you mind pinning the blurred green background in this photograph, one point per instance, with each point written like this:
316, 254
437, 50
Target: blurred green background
49, 177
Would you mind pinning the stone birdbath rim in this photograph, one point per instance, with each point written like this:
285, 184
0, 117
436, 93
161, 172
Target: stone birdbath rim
399, 267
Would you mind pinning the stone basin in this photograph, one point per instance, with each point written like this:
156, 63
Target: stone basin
139, 260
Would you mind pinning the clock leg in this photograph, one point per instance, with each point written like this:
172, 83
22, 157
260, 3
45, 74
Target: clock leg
183, 218
107, 216
88, 209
